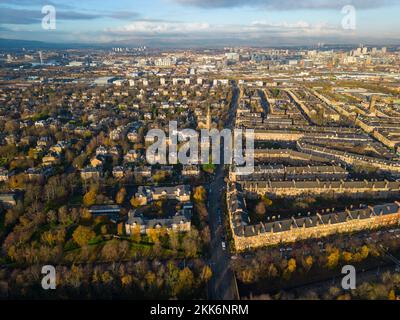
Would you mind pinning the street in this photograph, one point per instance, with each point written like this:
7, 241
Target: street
222, 285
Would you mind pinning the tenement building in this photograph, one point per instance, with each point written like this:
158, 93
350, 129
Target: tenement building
246, 235
351, 189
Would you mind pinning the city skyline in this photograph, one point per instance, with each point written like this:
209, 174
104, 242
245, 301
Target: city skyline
185, 23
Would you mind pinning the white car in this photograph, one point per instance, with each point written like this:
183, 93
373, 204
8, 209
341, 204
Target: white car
223, 246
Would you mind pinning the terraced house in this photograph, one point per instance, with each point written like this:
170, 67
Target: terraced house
292, 188
247, 235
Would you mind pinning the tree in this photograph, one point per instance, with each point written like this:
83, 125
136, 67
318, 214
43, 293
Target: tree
135, 234
272, 271
11, 126
106, 277
291, 265
333, 259
334, 292
124, 248
347, 256
200, 194
206, 235
85, 253
53, 237
247, 275
266, 200
186, 281
202, 212
11, 217
79, 161
308, 263
364, 252
120, 229
89, 198
82, 235
120, 198
209, 168
160, 176
104, 229
261, 209
174, 241
126, 280
110, 251
206, 274
150, 278
135, 202
86, 215
154, 235
190, 243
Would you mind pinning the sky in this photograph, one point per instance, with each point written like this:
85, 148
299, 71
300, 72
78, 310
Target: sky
204, 22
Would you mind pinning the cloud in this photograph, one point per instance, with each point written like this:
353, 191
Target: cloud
160, 27
123, 15
72, 15
30, 16
256, 32
180, 27
34, 3
24, 2
297, 26
16, 16
287, 4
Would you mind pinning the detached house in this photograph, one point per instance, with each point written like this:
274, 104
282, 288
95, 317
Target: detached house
180, 193
91, 173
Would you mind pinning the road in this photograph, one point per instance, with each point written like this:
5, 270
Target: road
222, 285
264, 103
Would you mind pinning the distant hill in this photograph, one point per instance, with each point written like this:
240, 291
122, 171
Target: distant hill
204, 42
17, 44
30, 44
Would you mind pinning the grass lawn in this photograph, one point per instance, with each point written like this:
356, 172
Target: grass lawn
145, 250
289, 207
